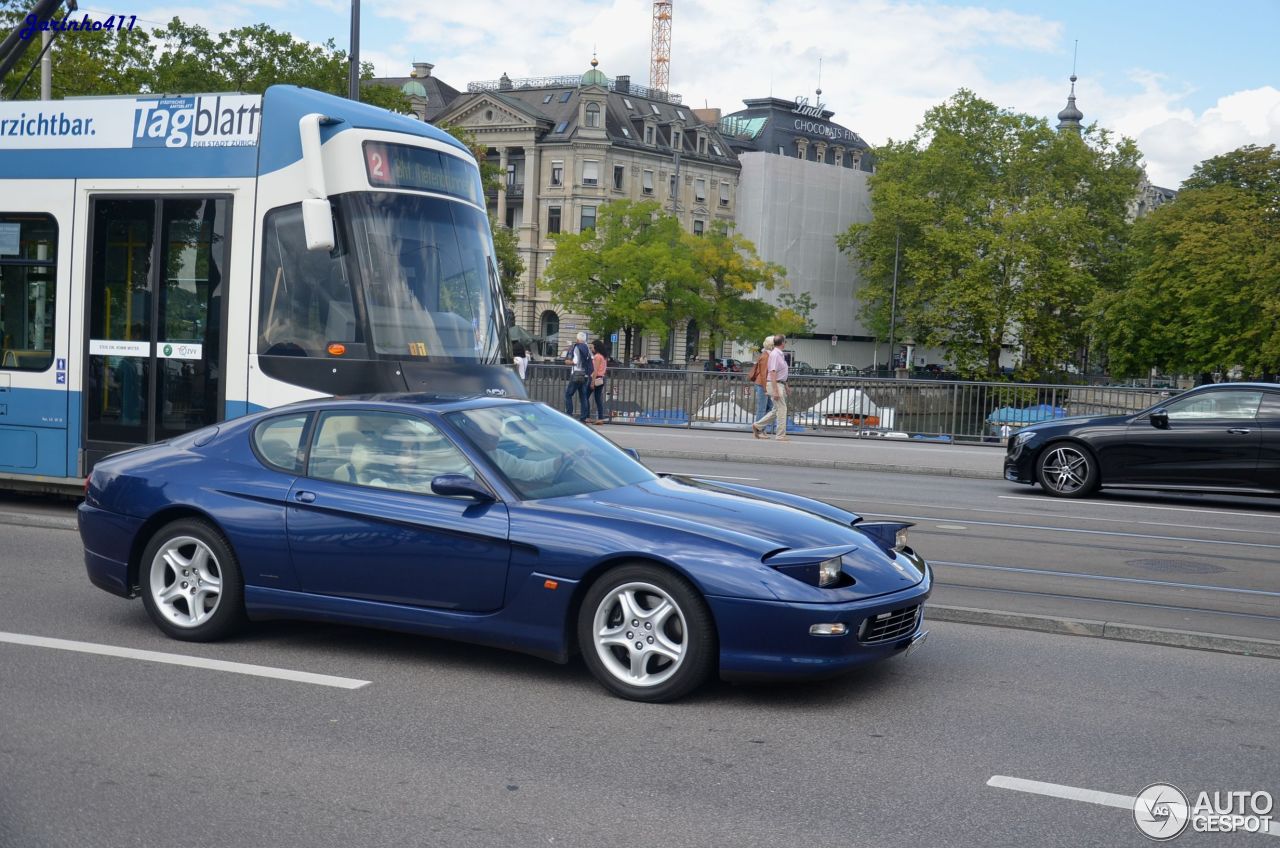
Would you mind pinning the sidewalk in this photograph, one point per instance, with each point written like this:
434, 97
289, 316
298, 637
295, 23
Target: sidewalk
850, 454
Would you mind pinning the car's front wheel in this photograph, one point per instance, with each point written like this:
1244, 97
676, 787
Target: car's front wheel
646, 634
191, 582
1067, 470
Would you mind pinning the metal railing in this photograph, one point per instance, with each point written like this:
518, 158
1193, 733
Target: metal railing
856, 407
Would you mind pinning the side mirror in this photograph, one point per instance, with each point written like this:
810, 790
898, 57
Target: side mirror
1160, 419
633, 453
453, 485
317, 224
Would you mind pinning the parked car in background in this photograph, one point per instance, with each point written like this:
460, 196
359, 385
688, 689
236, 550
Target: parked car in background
1215, 438
799, 367
500, 522
722, 364
843, 369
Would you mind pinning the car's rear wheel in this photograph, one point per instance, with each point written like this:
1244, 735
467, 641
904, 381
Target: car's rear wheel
191, 582
646, 634
1067, 470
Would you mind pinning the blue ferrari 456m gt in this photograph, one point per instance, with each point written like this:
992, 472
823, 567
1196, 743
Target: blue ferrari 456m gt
499, 522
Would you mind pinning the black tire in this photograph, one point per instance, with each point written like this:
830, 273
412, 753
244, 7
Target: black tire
677, 650
179, 568
1067, 470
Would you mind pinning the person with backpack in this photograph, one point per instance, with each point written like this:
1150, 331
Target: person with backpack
578, 358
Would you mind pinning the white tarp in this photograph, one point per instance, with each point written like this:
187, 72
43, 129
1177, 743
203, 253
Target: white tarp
847, 407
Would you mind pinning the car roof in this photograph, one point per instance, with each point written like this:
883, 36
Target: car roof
414, 401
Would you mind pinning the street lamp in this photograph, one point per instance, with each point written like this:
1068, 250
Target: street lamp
353, 75
893, 303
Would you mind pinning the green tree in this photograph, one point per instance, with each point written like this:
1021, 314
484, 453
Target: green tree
733, 272
186, 58
1005, 231
633, 271
510, 265
795, 314
1205, 290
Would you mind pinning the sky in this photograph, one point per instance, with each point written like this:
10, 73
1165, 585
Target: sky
1185, 80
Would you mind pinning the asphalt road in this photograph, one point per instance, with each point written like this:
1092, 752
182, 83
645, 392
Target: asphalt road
1184, 562
449, 745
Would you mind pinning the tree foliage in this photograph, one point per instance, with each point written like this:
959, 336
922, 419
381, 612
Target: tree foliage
510, 265
187, 58
633, 271
1004, 229
734, 272
1205, 289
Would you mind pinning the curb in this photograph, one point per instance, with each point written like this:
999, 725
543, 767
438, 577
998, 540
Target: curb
45, 522
1107, 630
836, 464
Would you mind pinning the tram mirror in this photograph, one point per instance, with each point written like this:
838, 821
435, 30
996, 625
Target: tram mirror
317, 224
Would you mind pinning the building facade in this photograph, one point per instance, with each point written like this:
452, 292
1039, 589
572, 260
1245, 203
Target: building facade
565, 146
804, 181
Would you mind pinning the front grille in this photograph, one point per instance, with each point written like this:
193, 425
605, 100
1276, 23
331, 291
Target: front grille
891, 625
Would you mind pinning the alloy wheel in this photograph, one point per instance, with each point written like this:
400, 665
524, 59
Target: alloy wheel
1065, 470
640, 634
185, 581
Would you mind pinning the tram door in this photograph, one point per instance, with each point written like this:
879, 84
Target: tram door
154, 356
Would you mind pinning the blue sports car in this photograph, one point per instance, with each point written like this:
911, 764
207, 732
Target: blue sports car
500, 522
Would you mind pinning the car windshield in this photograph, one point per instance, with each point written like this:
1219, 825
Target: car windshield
544, 454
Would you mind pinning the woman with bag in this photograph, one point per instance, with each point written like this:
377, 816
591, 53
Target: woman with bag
759, 376
600, 364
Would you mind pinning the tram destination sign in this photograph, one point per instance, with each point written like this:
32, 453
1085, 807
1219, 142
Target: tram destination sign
404, 166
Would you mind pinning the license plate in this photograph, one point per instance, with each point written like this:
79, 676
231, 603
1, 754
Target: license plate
916, 642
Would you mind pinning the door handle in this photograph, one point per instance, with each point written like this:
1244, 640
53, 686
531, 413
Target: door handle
304, 497
1238, 431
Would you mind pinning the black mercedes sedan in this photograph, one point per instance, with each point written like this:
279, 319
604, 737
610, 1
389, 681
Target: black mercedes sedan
1215, 438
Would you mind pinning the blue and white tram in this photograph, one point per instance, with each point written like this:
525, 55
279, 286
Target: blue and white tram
169, 262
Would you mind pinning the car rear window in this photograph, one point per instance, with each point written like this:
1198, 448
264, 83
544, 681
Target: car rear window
278, 442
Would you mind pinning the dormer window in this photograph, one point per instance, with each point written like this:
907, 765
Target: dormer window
676, 139
702, 144
593, 115
648, 134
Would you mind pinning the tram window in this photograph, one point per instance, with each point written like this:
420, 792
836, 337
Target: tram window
306, 300
28, 290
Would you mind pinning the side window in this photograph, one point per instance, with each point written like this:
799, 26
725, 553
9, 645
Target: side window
383, 450
1236, 405
1270, 409
279, 442
306, 299
28, 283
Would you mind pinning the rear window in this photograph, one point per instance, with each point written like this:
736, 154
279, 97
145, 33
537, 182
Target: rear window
278, 442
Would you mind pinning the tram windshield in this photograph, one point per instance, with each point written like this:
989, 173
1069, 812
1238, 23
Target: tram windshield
412, 278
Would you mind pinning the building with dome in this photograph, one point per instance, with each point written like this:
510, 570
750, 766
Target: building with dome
428, 95
566, 146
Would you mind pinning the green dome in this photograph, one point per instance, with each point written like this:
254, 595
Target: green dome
413, 88
594, 77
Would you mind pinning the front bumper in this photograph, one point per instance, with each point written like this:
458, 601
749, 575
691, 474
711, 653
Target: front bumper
1019, 464
762, 640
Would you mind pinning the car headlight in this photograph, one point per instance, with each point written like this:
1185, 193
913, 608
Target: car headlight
1022, 437
891, 536
829, 571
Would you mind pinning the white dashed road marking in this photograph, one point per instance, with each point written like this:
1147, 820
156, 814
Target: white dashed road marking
180, 659
1075, 793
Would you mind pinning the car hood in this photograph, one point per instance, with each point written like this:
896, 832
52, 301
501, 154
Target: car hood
736, 519
1077, 421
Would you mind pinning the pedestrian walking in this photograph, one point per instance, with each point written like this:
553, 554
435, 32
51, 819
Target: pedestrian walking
600, 367
759, 377
776, 386
578, 358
